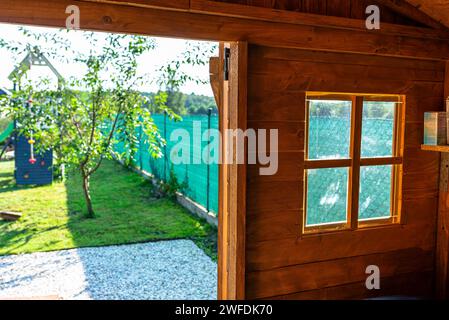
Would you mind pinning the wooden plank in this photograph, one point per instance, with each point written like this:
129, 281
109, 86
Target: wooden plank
283, 16
331, 163
289, 5
267, 66
324, 274
222, 248
286, 107
172, 4
339, 8
409, 285
437, 9
415, 108
330, 82
149, 21
290, 168
380, 161
237, 172
417, 160
265, 255
315, 7
421, 182
411, 12
272, 196
442, 248
261, 52
435, 148
274, 225
290, 134
346, 70
354, 174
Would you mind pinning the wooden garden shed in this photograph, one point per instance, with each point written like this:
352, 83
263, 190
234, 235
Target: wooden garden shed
283, 56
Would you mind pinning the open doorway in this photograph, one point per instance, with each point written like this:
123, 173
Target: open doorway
143, 225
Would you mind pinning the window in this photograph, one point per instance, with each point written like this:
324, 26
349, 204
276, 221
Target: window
353, 161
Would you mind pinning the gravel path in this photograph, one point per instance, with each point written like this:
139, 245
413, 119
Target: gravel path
175, 269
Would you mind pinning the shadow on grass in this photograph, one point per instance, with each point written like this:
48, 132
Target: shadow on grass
127, 211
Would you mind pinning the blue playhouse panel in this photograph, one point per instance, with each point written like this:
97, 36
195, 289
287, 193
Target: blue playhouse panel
26, 173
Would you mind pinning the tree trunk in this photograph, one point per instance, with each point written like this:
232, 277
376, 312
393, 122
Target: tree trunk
86, 188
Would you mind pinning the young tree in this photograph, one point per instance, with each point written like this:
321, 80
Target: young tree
84, 118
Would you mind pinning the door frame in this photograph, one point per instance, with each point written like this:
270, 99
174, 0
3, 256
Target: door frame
232, 176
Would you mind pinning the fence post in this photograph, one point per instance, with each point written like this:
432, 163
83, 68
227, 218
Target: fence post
209, 113
165, 146
140, 149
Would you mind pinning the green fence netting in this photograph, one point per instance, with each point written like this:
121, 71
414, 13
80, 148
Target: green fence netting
327, 188
194, 176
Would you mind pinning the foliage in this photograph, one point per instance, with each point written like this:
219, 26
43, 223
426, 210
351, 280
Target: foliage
199, 104
186, 104
83, 118
173, 75
4, 122
52, 215
83, 127
375, 110
172, 186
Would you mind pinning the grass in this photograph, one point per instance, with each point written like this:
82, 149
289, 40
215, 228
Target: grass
53, 216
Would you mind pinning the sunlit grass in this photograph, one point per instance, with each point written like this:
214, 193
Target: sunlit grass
53, 216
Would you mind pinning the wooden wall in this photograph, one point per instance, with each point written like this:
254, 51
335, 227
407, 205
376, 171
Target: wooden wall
281, 264
354, 9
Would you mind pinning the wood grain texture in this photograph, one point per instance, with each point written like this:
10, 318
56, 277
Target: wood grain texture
222, 176
442, 249
416, 284
354, 19
437, 9
236, 183
172, 4
336, 272
398, 11
279, 260
172, 23
410, 11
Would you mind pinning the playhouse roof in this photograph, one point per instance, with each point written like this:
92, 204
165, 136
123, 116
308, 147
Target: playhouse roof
33, 58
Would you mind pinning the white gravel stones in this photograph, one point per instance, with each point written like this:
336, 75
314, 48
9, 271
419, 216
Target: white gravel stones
175, 269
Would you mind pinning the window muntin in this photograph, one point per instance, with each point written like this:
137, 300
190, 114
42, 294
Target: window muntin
371, 157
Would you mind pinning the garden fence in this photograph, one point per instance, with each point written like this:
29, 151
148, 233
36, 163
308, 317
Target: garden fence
327, 191
199, 179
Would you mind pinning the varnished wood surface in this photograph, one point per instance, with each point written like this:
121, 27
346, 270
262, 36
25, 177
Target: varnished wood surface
338, 15
438, 9
435, 148
442, 250
278, 256
185, 24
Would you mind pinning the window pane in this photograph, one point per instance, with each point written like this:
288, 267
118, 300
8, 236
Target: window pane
329, 129
377, 129
327, 195
375, 192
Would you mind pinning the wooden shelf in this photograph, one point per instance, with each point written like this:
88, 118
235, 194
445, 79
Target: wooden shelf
435, 148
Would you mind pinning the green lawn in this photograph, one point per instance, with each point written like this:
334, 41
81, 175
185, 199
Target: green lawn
125, 210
